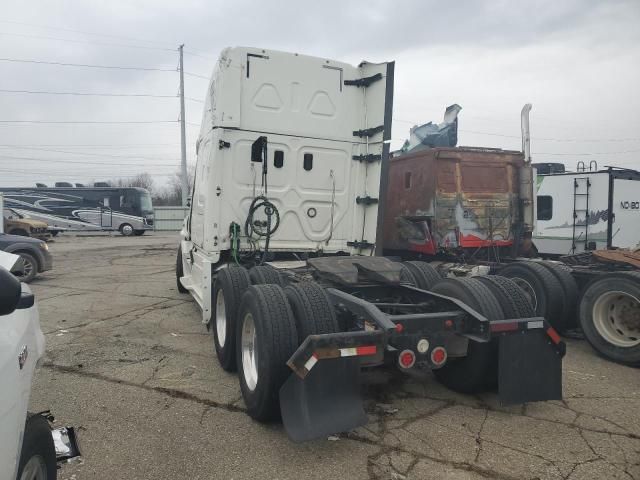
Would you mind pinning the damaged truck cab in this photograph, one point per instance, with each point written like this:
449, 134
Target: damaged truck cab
279, 249
453, 199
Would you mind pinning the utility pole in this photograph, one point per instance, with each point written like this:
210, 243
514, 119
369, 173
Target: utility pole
183, 138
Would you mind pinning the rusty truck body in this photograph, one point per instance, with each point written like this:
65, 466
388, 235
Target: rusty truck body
452, 200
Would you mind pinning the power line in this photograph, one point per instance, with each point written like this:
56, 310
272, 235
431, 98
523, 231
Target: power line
88, 42
194, 99
84, 145
61, 122
85, 65
556, 139
93, 154
81, 175
585, 153
634, 139
194, 54
80, 31
87, 163
196, 75
88, 94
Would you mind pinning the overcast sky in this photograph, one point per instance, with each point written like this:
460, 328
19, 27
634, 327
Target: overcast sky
577, 62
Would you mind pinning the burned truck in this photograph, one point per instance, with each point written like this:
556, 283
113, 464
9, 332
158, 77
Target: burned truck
459, 201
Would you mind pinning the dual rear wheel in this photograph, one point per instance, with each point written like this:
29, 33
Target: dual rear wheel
258, 325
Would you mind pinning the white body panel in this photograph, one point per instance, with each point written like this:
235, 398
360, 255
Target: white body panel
555, 235
302, 106
626, 208
19, 332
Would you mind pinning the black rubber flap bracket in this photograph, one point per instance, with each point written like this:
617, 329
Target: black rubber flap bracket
327, 401
364, 82
530, 368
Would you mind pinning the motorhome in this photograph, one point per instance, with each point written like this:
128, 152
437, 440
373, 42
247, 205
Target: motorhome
127, 210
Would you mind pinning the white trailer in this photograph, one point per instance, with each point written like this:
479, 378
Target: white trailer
587, 210
278, 250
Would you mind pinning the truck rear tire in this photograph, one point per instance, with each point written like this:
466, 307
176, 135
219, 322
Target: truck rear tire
266, 338
610, 316
477, 371
38, 453
569, 290
229, 286
180, 272
542, 288
512, 298
425, 275
265, 275
312, 310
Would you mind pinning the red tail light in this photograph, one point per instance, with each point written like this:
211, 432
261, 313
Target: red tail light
407, 359
438, 356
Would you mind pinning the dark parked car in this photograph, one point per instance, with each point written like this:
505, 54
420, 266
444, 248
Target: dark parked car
34, 253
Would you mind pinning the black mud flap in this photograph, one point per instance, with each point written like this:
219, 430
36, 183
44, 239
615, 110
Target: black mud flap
530, 368
327, 401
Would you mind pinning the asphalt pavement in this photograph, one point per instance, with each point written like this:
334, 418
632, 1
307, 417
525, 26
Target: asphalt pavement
131, 366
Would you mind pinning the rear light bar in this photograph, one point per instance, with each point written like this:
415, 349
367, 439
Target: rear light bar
369, 345
505, 326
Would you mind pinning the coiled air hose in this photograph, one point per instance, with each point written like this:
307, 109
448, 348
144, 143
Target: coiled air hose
262, 229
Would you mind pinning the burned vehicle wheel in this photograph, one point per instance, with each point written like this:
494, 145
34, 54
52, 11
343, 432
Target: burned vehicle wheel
513, 300
543, 290
265, 275
180, 272
266, 338
610, 317
312, 310
569, 290
425, 275
477, 371
30, 267
38, 454
229, 286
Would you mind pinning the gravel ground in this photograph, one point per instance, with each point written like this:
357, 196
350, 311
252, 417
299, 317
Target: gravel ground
130, 364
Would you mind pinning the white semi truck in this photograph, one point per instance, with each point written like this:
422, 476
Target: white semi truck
279, 246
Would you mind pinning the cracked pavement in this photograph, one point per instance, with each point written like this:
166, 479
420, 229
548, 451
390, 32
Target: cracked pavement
130, 364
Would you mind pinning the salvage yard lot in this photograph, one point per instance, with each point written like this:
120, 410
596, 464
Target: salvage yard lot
130, 364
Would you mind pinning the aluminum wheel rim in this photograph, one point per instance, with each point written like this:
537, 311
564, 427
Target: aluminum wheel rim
35, 469
528, 291
221, 319
616, 316
127, 229
28, 267
249, 352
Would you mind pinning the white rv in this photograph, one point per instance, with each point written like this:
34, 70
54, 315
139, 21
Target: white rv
587, 210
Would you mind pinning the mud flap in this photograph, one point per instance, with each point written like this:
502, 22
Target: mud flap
530, 368
327, 401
